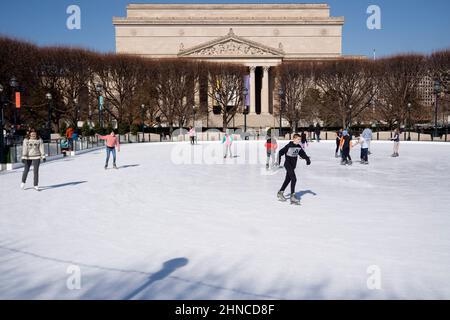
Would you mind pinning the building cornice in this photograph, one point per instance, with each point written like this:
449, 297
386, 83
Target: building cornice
236, 20
147, 6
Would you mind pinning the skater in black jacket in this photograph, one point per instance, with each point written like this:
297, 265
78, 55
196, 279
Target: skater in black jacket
291, 151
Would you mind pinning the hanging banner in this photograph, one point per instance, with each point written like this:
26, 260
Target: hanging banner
100, 102
18, 100
247, 86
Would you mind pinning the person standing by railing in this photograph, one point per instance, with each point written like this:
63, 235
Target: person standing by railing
112, 141
32, 153
192, 135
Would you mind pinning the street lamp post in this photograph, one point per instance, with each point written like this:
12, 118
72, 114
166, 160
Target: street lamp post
14, 84
437, 91
409, 121
2, 138
142, 120
194, 110
99, 89
281, 94
350, 120
49, 98
245, 111
77, 111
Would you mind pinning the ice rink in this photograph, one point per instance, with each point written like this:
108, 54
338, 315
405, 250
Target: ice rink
180, 222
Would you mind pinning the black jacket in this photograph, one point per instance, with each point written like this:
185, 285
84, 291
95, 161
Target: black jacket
291, 152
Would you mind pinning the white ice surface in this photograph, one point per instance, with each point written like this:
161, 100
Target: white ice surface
157, 229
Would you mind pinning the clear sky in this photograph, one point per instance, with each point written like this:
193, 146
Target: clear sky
407, 25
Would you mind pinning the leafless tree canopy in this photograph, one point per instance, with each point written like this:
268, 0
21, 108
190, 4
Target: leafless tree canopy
163, 92
296, 81
227, 84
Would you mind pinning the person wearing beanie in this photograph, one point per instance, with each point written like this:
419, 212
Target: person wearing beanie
345, 146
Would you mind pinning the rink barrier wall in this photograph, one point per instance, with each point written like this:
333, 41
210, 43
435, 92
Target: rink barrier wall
54, 152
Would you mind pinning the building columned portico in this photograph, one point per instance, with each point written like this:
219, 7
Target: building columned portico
259, 36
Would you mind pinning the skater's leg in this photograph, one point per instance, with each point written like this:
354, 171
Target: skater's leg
396, 147
114, 156
107, 156
364, 154
293, 182
26, 170
36, 164
286, 182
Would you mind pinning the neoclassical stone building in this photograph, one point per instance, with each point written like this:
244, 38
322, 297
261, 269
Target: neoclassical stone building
260, 36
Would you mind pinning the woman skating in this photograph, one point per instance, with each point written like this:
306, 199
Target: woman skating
111, 143
32, 154
396, 140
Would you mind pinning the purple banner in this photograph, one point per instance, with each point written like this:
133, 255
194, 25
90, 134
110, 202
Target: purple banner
247, 85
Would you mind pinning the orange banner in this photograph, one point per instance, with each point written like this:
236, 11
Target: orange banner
18, 100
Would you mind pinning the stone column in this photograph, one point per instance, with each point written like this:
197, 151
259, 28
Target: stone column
252, 90
265, 91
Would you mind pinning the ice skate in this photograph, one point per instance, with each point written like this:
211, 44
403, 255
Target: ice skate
114, 166
350, 162
280, 196
267, 166
37, 188
106, 166
294, 199
22, 186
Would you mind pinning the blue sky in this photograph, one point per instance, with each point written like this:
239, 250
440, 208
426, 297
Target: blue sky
407, 25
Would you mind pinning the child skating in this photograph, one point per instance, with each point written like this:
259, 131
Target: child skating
291, 151
304, 141
346, 145
364, 148
396, 140
111, 143
271, 149
227, 141
338, 142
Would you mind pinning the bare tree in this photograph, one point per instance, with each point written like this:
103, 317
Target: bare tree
174, 90
347, 87
295, 79
398, 81
120, 77
227, 83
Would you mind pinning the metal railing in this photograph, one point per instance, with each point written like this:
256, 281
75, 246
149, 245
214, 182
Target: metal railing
53, 148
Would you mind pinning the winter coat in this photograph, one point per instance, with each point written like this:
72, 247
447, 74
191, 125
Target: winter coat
33, 149
271, 145
291, 152
227, 140
367, 134
111, 141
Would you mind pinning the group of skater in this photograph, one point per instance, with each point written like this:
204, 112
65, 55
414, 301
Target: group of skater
33, 153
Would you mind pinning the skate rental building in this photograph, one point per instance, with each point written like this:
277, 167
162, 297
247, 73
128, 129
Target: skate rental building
260, 36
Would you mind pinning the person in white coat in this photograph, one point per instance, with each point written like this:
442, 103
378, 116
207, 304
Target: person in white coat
364, 148
367, 135
32, 154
